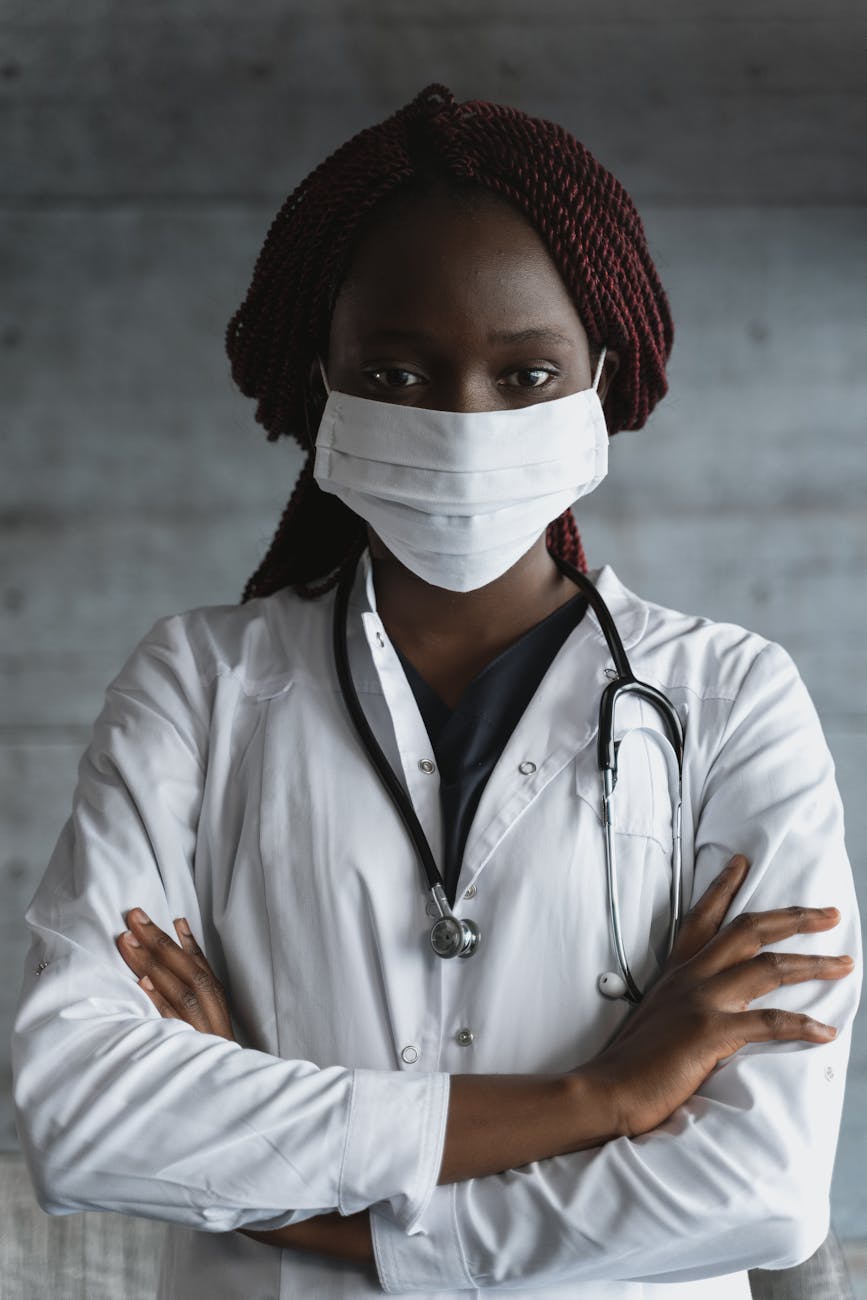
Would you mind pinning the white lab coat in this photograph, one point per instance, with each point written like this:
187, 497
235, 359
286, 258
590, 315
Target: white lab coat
224, 782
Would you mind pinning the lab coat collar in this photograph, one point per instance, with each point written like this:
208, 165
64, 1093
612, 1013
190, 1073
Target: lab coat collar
558, 725
628, 610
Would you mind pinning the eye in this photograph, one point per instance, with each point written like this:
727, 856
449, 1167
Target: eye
532, 377
392, 377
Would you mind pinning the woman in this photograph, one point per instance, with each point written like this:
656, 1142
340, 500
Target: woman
451, 314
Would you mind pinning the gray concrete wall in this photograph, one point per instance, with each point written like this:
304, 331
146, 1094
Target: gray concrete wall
146, 149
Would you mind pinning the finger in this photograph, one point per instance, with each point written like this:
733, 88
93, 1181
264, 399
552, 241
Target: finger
134, 953
734, 988
704, 919
773, 1023
176, 996
162, 1006
157, 943
131, 955
185, 981
187, 940
748, 933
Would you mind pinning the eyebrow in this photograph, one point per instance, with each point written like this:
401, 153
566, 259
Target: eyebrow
539, 333
533, 334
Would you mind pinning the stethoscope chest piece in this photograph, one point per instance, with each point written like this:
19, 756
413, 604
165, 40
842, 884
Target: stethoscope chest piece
452, 937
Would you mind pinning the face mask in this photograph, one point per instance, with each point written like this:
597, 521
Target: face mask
460, 496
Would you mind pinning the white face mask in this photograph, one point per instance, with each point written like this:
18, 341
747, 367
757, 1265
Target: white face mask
460, 496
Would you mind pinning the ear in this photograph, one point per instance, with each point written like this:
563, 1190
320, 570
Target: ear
610, 366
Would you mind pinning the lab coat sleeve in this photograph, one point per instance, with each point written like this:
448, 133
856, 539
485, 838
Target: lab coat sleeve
120, 1109
739, 1176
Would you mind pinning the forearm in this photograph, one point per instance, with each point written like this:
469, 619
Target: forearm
341, 1237
495, 1122
504, 1121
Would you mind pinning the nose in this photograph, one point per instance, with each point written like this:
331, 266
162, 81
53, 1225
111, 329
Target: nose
464, 393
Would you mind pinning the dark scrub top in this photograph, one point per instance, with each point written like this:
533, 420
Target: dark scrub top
468, 740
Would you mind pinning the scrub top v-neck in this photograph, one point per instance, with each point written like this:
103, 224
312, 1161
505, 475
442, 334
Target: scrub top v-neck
468, 740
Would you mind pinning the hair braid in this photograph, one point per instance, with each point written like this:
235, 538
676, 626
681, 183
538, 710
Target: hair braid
582, 212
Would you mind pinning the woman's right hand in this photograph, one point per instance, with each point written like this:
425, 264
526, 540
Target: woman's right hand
697, 1013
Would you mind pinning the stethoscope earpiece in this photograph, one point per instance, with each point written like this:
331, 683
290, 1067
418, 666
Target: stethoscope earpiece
611, 985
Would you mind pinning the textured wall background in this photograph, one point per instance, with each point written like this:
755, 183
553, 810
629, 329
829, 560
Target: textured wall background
146, 149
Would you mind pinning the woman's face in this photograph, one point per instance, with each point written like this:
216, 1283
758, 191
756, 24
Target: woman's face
457, 308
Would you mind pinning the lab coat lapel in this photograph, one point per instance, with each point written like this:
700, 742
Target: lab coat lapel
559, 723
391, 708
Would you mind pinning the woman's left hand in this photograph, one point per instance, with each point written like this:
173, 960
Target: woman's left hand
176, 976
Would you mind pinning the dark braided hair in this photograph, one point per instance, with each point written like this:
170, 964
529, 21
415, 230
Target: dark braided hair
582, 212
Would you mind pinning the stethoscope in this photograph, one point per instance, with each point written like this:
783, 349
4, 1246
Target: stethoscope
452, 936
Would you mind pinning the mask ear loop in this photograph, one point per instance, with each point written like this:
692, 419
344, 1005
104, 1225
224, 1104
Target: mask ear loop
310, 442
598, 365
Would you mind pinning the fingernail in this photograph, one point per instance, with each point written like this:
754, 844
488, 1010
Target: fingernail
146, 983
830, 911
827, 1031
130, 938
730, 868
182, 925
141, 916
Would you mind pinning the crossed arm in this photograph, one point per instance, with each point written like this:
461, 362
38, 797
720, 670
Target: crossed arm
693, 1017
696, 1015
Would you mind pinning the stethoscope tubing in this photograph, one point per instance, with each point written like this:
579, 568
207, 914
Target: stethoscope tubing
626, 683
449, 935
369, 740
462, 938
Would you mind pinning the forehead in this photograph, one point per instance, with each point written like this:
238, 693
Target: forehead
435, 259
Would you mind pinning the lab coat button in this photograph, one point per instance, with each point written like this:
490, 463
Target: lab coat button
829, 1072
527, 767
409, 1054
427, 766
470, 892
464, 1037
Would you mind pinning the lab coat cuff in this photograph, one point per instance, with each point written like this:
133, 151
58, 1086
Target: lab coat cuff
394, 1143
430, 1260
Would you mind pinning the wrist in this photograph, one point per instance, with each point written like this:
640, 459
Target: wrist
596, 1111
348, 1238
342, 1237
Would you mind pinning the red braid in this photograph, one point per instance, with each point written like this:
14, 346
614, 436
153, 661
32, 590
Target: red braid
580, 209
